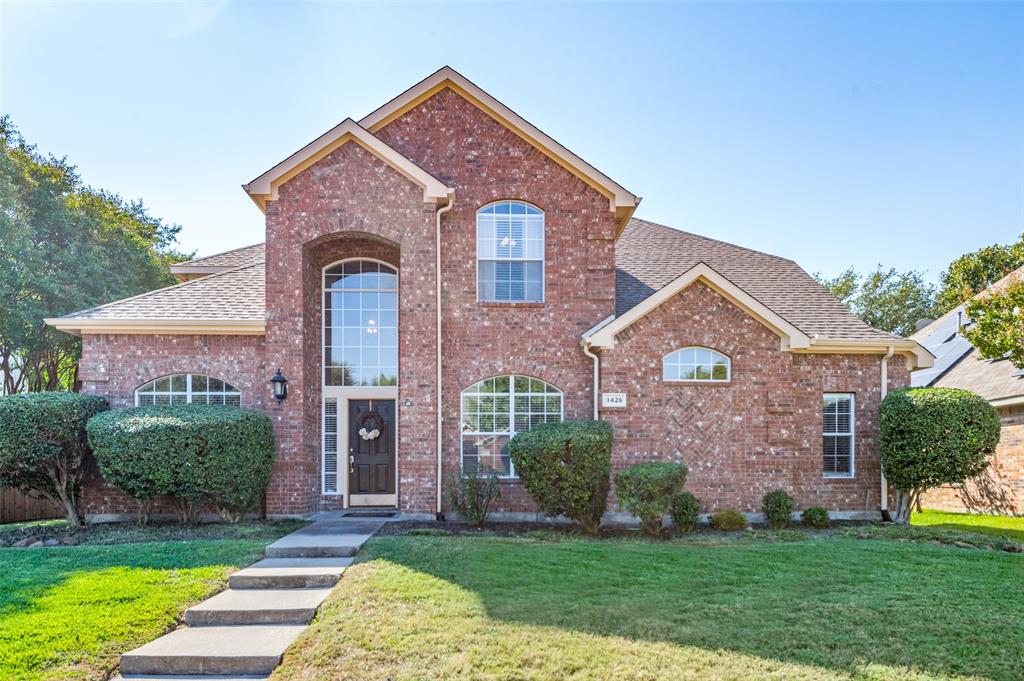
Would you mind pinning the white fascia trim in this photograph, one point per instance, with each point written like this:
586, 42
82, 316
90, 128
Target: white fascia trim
792, 337
1007, 401
201, 269
219, 327
622, 200
918, 357
264, 187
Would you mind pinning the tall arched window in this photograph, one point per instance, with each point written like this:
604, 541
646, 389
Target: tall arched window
187, 389
495, 409
360, 324
510, 253
697, 364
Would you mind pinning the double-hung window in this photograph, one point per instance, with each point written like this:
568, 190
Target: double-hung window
837, 435
510, 253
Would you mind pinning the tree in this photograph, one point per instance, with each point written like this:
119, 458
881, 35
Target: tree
933, 436
971, 273
885, 299
64, 247
997, 324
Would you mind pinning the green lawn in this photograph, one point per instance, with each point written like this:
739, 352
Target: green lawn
69, 612
994, 525
418, 607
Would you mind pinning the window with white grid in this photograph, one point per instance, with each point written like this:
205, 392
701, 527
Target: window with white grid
510, 253
696, 364
360, 324
494, 410
187, 389
837, 443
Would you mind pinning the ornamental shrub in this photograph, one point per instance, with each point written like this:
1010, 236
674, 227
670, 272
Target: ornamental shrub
43, 447
777, 506
198, 454
566, 468
933, 436
729, 520
685, 511
816, 517
473, 493
647, 489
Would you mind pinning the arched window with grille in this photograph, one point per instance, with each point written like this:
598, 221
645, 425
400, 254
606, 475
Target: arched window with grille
510, 253
187, 389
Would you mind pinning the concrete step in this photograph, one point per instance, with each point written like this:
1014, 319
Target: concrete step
290, 573
320, 545
227, 651
257, 606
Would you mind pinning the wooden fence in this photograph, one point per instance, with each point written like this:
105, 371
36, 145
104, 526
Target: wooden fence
16, 507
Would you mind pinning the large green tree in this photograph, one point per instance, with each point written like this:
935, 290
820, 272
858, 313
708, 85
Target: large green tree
997, 323
973, 272
64, 247
886, 299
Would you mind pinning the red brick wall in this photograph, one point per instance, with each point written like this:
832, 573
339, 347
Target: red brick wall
760, 431
485, 162
115, 365
1000, 489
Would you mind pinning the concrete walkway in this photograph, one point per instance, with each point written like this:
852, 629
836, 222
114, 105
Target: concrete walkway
241, 633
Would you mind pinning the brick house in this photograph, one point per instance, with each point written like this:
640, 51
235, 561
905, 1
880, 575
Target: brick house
1000, 489
445, 274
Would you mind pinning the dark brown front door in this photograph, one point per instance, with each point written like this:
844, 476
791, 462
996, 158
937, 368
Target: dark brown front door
371, 454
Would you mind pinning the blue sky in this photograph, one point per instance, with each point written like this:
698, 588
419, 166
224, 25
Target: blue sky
834, 134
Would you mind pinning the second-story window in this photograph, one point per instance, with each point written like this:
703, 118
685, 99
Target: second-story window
510, 253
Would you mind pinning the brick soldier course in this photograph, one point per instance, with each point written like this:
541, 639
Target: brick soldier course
437, 154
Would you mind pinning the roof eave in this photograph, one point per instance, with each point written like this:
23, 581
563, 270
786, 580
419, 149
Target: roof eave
918, 357
219, 327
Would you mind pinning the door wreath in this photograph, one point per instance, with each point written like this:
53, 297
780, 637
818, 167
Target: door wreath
370, 425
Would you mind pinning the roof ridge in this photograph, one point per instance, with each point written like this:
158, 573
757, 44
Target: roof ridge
104, 306
717, 241
214, 255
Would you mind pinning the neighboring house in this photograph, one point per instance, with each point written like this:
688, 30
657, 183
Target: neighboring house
444, 251
957, 365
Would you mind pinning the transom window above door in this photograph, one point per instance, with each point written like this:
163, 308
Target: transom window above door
187, 389
510, 253
360, 324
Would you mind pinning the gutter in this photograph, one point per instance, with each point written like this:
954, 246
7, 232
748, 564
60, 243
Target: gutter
884, 507
586, 343
437, 304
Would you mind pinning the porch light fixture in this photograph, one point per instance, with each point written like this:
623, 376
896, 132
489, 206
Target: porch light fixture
279, 386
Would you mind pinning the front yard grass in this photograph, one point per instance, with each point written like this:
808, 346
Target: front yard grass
993, 525
427, 607
68, 612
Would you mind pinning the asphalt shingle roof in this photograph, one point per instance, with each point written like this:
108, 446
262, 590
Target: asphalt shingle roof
991, 378
238, 257
649, 256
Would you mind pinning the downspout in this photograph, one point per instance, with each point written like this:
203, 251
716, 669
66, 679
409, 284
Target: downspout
885, 391
597, 375
437, 340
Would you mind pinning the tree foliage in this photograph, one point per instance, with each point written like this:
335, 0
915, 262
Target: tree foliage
997, 324
971, 273
885, 299
64, 247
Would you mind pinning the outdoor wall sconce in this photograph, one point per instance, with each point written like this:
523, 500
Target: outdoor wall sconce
279, 385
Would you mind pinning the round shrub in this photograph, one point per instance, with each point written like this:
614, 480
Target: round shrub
43, 446
816, 517
777, 506
729, 520
934, 436
685, 511
566, 468
646, 490
197, 454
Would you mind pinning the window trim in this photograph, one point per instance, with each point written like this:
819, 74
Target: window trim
512, 432
852, 435
542, 260
188, 393
718, 381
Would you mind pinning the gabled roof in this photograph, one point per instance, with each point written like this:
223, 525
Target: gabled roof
997, 380
230, 302
264, 188
622, 201
218, 262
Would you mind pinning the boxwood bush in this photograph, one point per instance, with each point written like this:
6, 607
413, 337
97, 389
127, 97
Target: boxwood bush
646, 490
777, 507
933, 436
43, 446
199, 455
566, 468
728, 520
816, 517
685, 511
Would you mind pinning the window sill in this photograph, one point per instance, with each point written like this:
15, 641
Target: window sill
709, 384
501, 303
839, 477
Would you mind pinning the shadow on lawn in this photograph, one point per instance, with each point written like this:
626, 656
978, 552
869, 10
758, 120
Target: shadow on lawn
1011, 534
836, 604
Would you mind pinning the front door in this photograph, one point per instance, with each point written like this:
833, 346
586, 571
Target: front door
371, 453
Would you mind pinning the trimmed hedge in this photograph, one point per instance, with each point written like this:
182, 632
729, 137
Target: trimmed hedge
43, 446
197, 454
647, 489
934, 436
777, 506
685, 511
816, 517
566, 468
728, 520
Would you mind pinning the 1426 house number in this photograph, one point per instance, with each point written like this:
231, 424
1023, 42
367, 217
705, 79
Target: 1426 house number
613, 400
